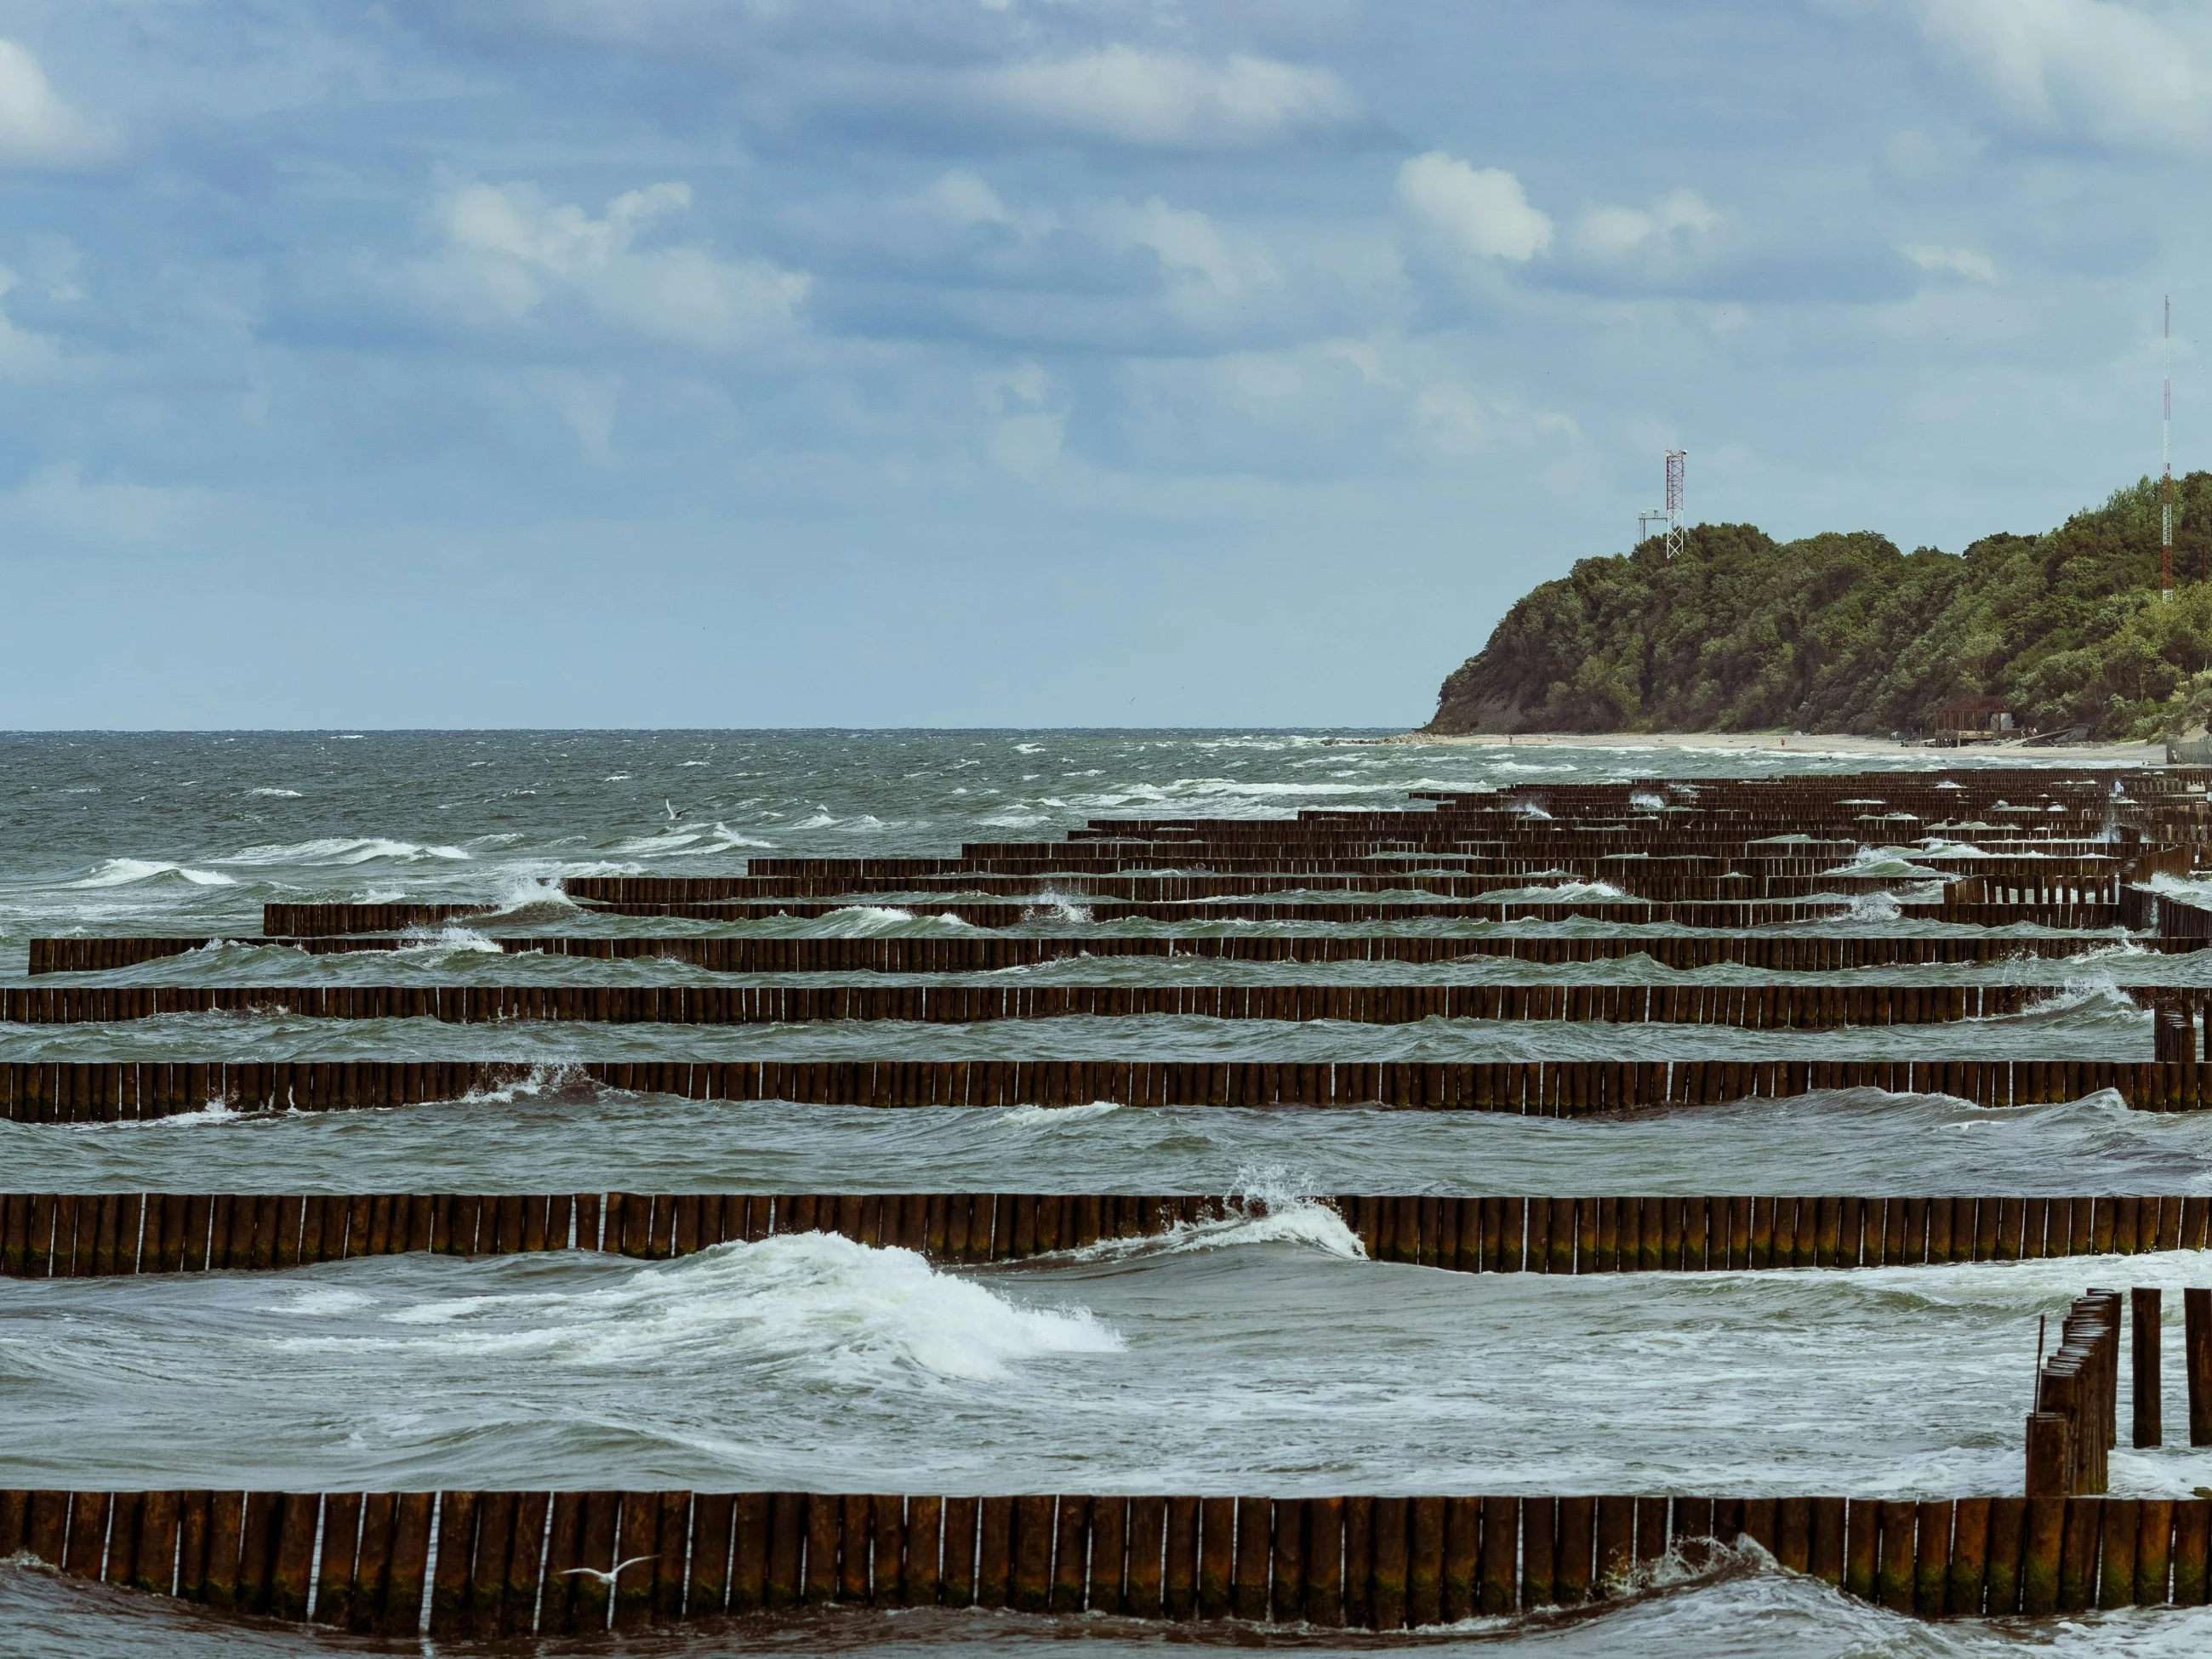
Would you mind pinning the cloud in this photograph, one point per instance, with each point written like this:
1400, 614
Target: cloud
2117, 75
23, 355
1951, 261
1023, 434
1674, 224
1189, 246
510, 254
963, 201
1479, 213
1129, 95
57, 501
37, 128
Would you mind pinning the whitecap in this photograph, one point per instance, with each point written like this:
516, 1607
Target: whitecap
343, 849
121, 873
280, 794
452, 936
815, 1301
1053, 1117
723, 839
1873, 907
859, 921
1252, 1218
1049, 905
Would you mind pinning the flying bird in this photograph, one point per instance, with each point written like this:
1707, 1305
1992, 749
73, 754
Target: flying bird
675, 813
607, 1579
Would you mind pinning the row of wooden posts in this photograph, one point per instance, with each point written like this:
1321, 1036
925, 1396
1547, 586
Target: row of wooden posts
488, 1564
958, 954
1756, 1008
2075, 1425
82, 1091
1723, 916
98, 1235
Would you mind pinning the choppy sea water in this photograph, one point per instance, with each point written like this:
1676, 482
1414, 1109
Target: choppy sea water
1249, 1356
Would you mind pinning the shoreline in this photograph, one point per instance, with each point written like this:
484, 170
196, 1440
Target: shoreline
1794, 743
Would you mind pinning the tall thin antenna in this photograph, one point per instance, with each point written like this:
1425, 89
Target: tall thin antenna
2166, 455
1675, 458
1669, 517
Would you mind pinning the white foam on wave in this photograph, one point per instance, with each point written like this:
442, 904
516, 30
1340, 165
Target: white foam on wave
121, 873
523, 893
343, 849
525, 1085
1873, 907
815, 1302
1056, 1117
277, 794
1051, 905
1885, 861
1301, 1222
452, 936
720, 839
215, 1111
2098, 996
1574, 891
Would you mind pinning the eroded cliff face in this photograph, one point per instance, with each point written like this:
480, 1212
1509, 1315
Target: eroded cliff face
1845, 633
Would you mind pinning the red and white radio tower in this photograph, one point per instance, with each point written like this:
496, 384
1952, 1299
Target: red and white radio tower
2165, 458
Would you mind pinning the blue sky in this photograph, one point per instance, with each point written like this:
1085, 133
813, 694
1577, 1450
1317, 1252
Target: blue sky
636, 362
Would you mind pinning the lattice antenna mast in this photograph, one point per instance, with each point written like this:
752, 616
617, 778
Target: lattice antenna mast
1669, 517
2166, 455
1675, 458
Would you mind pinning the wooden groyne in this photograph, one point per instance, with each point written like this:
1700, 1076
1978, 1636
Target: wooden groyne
2072, 1430
1771, 952
104, 1234
75, 1091
490, 1563
1721, 915
1755, 1007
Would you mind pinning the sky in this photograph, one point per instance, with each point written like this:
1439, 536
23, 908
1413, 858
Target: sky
1025, 362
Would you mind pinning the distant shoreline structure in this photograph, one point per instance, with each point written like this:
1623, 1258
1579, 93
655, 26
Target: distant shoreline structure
1791, 743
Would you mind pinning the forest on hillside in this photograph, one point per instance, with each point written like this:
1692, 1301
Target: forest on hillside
1844, 633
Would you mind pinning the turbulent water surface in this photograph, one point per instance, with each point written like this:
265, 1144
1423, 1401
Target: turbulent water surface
1252, 1355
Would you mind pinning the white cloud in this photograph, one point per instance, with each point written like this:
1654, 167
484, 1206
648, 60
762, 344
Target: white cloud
509, 251
37, 128
1023, 434
58, 501
1479, 213
962, 200
2121, 75
23, 355
1674, 224
1138, 97
1190, 246
1951, 261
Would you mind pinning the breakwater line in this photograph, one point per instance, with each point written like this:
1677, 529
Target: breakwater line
104, 1234
490, 1563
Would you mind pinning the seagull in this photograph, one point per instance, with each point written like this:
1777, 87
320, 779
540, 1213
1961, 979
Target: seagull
607, 1579
674, 815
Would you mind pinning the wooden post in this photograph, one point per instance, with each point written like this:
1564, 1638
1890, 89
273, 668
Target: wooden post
2196, 1361
2144, 1303
2049, 1454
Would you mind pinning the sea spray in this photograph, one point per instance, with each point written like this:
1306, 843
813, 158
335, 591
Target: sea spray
855, 1314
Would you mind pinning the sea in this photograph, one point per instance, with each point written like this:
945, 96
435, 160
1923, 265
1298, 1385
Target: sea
1260, 1354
